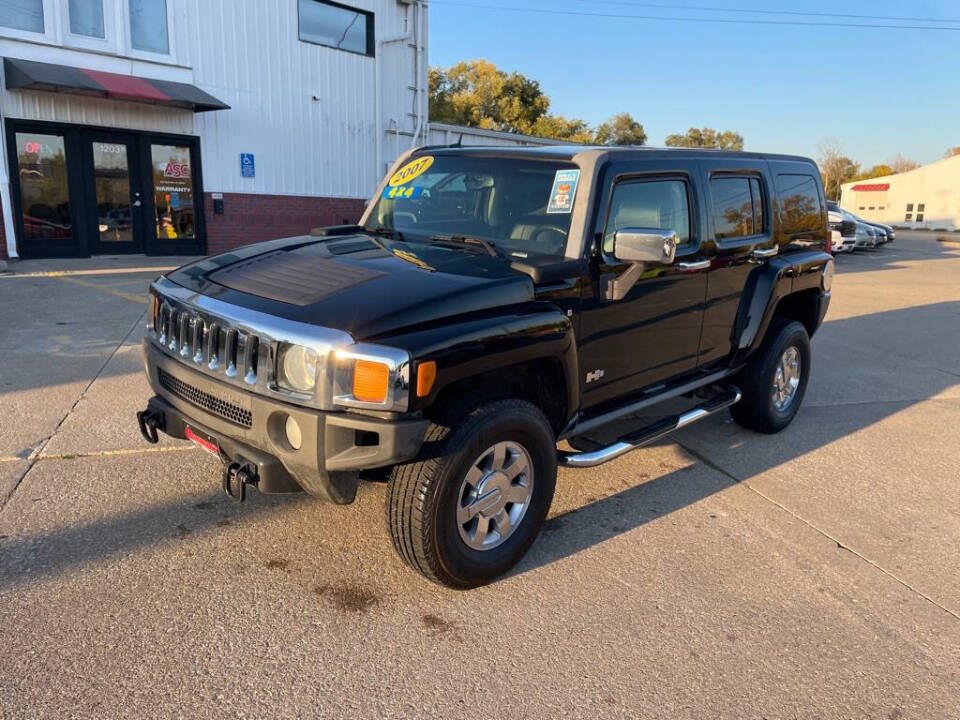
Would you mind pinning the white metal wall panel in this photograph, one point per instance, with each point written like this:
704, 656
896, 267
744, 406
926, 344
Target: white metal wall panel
444, 134
306, 111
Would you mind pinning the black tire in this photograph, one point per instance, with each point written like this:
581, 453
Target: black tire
423, 497
757, 410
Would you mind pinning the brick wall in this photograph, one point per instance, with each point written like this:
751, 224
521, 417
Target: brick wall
251, 218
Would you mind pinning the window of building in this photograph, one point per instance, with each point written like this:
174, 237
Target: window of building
880, 207
44, 194
921, 207
919, 217
336, 26
656, 204
22, 15
862, 207
800, 208
173, 192
148, 26
86, 18
871, 208
737, 206
908, 217
909, 207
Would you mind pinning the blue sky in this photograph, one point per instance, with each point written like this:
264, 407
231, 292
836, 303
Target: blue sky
876, 92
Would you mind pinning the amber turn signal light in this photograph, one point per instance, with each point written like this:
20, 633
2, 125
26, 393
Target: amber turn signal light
371, 381
426, 374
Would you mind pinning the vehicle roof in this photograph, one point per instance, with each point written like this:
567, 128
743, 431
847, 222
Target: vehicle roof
627, 152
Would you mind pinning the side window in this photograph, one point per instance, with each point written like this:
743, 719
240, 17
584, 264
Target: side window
659, 204
737, 206
800, 209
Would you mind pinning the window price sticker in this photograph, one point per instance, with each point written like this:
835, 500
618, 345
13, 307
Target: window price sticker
563, 191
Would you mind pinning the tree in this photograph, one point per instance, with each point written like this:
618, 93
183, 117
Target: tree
955, 150
621, 129
560, 128
901, 164
706, 137
874, 172
479, 94
835, 168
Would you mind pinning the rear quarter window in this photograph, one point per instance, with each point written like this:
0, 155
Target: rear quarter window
799, 203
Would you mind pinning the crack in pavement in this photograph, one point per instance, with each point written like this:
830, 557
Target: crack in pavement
840, 544
34, 456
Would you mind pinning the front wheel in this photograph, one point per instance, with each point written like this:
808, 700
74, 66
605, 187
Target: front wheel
471, 509
774, 382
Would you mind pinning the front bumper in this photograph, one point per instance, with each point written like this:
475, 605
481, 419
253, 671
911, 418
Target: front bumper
334, 446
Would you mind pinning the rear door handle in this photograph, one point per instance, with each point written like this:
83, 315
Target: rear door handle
695, 265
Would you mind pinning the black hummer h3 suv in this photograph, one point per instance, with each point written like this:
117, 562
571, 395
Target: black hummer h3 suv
490, 304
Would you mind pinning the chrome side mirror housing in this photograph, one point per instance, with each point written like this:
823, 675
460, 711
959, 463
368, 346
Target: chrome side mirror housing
645, 245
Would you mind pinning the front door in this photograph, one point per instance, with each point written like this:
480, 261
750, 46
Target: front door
115, 216
652, 333
80, 191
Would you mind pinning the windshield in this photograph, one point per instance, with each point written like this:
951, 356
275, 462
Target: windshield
521, 206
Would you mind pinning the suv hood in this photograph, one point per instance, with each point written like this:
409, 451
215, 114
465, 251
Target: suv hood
354, 283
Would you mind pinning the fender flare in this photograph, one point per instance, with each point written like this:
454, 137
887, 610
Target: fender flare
465, 348
766, 286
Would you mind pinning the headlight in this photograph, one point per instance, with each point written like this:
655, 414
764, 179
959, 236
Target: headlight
297, 368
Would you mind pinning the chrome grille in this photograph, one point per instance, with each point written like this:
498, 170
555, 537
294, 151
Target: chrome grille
237, 345
212, 404
211, 344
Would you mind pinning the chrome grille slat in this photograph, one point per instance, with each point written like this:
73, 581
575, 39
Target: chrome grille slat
184, 334
230, 353
213, 340
198, 340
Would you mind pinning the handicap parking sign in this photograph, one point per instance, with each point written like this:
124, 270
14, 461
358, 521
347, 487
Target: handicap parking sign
247, 167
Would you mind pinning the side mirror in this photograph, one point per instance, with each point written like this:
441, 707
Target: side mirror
648, 245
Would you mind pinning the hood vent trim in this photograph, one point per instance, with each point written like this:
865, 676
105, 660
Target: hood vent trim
291, 277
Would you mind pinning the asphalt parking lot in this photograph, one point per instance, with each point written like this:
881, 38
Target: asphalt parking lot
720, 574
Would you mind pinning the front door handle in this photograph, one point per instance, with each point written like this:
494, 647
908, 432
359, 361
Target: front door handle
761, 253
695, 265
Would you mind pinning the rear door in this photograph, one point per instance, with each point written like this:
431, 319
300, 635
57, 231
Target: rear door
739, 234
652, 333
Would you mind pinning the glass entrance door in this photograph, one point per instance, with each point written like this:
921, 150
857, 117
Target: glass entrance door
173, 198
81, 191
114, 204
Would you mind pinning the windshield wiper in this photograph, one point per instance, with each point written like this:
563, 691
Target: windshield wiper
491, 249
385, 232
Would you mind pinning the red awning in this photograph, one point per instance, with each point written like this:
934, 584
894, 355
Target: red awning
875, 187
30, 75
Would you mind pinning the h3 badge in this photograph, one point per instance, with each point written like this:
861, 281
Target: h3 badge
594, 375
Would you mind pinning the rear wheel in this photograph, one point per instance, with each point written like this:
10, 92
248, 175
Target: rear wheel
774, 382
471, 510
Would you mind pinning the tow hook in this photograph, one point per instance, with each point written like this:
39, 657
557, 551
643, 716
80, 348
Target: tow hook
236, 477
150, 421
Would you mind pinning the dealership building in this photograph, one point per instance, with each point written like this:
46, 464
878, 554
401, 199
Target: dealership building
928, 197
194, 126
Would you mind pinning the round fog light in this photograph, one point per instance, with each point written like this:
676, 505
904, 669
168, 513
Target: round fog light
293, 433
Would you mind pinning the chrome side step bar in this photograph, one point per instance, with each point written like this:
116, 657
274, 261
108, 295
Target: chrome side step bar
727, 397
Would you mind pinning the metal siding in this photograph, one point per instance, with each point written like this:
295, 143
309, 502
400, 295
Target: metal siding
248, 54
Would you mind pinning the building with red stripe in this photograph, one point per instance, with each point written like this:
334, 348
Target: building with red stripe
925, 198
